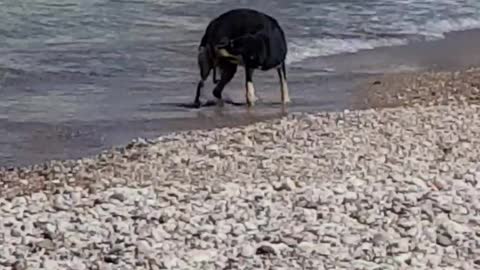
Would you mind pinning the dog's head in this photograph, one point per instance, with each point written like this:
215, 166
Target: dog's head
252, 49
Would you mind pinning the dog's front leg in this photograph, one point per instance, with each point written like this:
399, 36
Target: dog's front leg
228, 71
214, 78
283, 84
205, 66
250, 90
196, 102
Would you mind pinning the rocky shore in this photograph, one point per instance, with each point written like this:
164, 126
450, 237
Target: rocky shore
419, 88
389, 188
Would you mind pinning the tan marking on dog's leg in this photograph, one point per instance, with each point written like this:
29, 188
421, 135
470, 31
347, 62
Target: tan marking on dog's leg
251, 98
284, 87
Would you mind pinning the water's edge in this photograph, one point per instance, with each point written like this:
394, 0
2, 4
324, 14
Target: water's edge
30, 142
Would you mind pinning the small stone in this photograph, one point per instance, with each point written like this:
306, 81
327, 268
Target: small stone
144, 247
49, 264
351, 240
310, 215
400, 245
350, 196
16, 232
118, 196
418, 182
287, 185
77, 265
170, 262
170, 226
113, 259
200, 255
59, 204
46, 244
102, 266
289, 241
19, 201
50, 228
470, 179
307, 247
20, 265
247, 251
444, 240
339, 189
39, 197
238, 230
265, 250
251, 226
213, 147
403, 258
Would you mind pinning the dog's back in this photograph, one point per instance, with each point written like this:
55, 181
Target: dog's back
240, 22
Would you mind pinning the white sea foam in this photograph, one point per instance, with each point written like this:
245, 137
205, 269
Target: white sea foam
304, 48
301, 49
436, 29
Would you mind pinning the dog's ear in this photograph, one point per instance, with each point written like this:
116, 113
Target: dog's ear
224, 43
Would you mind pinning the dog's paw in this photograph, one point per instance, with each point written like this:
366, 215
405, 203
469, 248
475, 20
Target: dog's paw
189, 105
196, 104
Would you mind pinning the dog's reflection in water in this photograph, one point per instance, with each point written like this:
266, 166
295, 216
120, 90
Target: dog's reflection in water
211, 103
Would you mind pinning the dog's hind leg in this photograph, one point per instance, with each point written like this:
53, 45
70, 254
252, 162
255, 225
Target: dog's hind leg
205, 67
282, 75
250, 89
214, 76
228, 71
200, 85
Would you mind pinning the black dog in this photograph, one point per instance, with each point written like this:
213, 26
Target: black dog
243, 37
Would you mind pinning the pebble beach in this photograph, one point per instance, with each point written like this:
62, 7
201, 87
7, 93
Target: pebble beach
392, 186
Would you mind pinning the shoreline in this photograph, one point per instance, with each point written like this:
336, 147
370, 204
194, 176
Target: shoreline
38, 137
428, 88
378, 91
